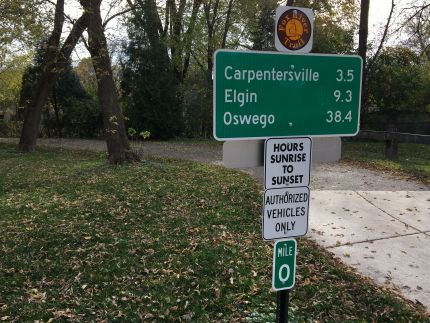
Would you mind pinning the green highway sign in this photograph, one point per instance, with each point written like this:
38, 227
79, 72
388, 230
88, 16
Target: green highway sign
284, 264
270, 94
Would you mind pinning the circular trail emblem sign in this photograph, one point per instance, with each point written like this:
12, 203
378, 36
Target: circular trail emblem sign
294, 29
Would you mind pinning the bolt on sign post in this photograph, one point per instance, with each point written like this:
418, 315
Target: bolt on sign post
271, 94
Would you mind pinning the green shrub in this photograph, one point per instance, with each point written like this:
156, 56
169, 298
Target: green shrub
10, 129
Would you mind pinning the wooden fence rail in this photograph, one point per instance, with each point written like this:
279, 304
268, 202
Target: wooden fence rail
392, 139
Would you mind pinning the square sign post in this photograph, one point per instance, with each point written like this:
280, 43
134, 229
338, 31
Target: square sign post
287, 163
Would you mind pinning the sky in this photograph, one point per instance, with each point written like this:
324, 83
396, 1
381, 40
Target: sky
378, 12
378, 15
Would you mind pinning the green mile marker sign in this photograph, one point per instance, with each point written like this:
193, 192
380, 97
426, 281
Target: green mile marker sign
270, 94
284, 264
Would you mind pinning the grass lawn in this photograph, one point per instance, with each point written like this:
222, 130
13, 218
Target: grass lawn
162, 240
413, 160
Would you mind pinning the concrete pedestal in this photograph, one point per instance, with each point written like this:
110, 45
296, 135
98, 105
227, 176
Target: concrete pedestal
250, 153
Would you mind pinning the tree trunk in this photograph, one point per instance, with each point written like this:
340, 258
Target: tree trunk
362, 49
58, 122
177, 16
113, 120
30, 128
210, 24
227, 24
189, 36
53, 65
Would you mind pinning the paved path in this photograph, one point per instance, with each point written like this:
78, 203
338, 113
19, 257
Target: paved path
373, 221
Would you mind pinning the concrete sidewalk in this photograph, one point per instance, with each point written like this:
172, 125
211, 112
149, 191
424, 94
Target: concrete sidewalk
374, 222
383, 234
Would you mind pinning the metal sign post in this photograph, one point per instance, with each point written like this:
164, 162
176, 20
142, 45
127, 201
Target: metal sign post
282, 305
261, 95
287, 163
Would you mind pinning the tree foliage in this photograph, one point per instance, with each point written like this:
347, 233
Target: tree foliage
417, 27
262, 28
149, 84
399, 80
167, 63
69, 111
335, 25
22, 24
10, 83
87, 76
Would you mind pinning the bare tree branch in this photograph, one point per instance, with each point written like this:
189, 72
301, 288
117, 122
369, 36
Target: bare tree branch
85, 42
381, 44
246, 46
188, 36
413, 15
227, 23
109, 19
134, 7
201, 65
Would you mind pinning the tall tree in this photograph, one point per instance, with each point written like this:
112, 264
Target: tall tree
69, 110
46, 81
10, 83
113, 120
417, 26
180, 38
149, 82
53, 61
383, 39
175, 25
399, 81
362, 48
21, 25
262, 32
218, 20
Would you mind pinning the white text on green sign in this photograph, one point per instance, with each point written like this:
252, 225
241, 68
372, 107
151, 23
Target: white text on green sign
268, 94
284, 264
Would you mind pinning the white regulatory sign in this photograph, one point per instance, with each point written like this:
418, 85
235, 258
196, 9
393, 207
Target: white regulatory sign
285, 212
287, 162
